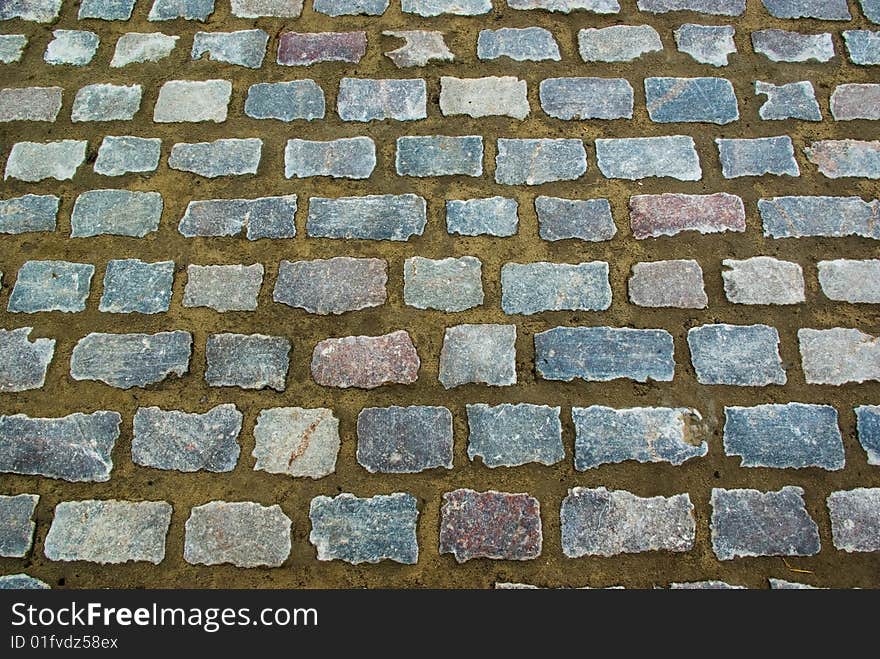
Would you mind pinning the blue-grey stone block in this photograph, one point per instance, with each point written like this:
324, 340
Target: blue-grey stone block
567, 6
785, 46
712, 584
362, 99
38, 11
28, 213
742, 355
493, 216
707, 44
478, 354
245, 47
242, 533
73, 47
22, 581
371, 217
868, 419
191, 10
125, 154
850, 280
586, 98
51, 286
512, 435
439, 155
35, 161
267, 8
419, 48
582, 219
539, 160
137, 47
825, 10
451, 284
530, 288
604, 353
704, 100
115, 212
428, 8
796, 217
532, 44
793, 435
332, 286
263, 217
285, 101
223, 157
633, 158
134, 286
12, 46
23, 363
714, 7
249, 361
404, 440
604, 435
192, 101
855, 519
16, 526
675, 283
618, 43
131, 360
871, 9
105, 102
795, 100
107, 10
347, 157
350, 7
756, 157
223, 287
845, 158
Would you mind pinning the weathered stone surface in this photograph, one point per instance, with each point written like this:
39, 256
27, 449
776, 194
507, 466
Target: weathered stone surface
855, 519
512, 435
586, 98
51, 286
701, 100
604, 353
705, 585
355, 530
429, 8
496, 525
35, 161
581, 219
633, 158
30, 103
763, 280
223, 287
604, 435
756, 157
263, 217
668, 214
484, 97
11, 47
332, 286
347, 157
742, 355
108, 531
826, 10
38, 11
842, 158
296, 441
439, 155
285, 101
420, 47
223, 157
868, 418
73, 47
715, 7
492, 216
782, 584
126, 154
248, 361
105, 102
307, 48
530, 288
191, 10
192, 101
856, 101
116, 212
795, 100
261, 8
28, 213
362, 99
134, 286
535, 161
530, 44
480, 354
351, 7
242, 533
785, 46
371, 217
599, 522
836, 217
677, 283
567, 6
707, 44
16, 525
244, 47
753, 523
618, 43
839, 355
172, 439
131, 360
794, 435
22, 582
404, 440
366, 362
851, 281
451, 284
871, 10
138, 47
75, 448
107, 10
23, 363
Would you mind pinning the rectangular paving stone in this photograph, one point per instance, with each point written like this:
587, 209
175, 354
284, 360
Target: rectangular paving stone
23, 363
22, 582
139, 47
368, 530
16, 524
863, 46
795, 100
180, 441
757, 157
677, 283
347, 157
567, 6
242, 533
586, 98
370, 217
428, 8
490, 216
350, 7
451, 284
826, 10
701, 100
706, 44
76, 448
362, 99
842, 158
535, 161
223, 287
741, 355
11, 47
715, 7
855, 519
618, 43
105, 102
35, 161
763, 280
243, 47
794, 435
131, 360
263, 217
28, 213
404, 440
307, 48
30, 103
478, 354
223, 157
108, 531
439, 155
786, 46
752, 523
871, 10
634, 158
495, 525
296, 442
832, 217
116, 212
492, 96
604, 353
581, 219
192, 101
106, 10
419, 48
868, 420
669, 214
38, 11
366, 362
512, 435
839, 355
51, 286
285, 101
128, 154
248, 361
261, 8
599, 522
530, 288
530, 44
604, 435
71, 47
190, 10
135, 286
850, 102
332, 286
848, 280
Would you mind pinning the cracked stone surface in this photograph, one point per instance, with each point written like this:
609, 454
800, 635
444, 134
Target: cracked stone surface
296, 442
116, 212
16, 524
263, 217
332, 286
131, 360
512, 435
451, 284
23, 361
366, 362
243, 533
248, 361
404, 440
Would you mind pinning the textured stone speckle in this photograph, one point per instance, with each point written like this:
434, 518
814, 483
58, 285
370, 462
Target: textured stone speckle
22, 582
12, 47
30, 103
307, 48
850, 102
586, 98
741, 355
668, 214
428, 8
332, 286
71, 47
567, 6
351, 7
285, 101
484, 97
581, 219
366, 362
868, 417
492, 216
512, 435
714, 7
702, 100
863, 46
530, 288
451, 284
532, 44
795, 100
534, 161
826, 10
855, 519
270, 8
439, 155
839, 355
842, 158
126, 154
192, 101
480, 354
365, 100
23, 362
131, 360
618, 43
245, 47
116, 212
296, 441
248, 361
634, 158
223, 287
28, 213
105, 102
16, 525
677, 283
191, 10
139, 47
371, 217
707, 44
756, 157
263, 217
404, 440
420, 47
785, 46
796, 217
223, 157
107, 10
763, 280
35, 161
51, 286
852, 281
38, 11
134, 286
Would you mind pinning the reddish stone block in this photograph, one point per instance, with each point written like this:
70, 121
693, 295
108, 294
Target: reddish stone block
668, 214
303, 49
366, 361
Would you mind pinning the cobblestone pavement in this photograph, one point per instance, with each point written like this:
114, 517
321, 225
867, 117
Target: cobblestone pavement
447, 293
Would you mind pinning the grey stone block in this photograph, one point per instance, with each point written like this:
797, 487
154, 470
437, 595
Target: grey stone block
428, 8
492, 216
795, 100
244, 47
29, 212
332, 286
451, 284
850, 102
586, 98
868, 420
51, 286
192, 101
347, 157
38, 11
138, 47
131, 360
272, 8
530, 288
242, 533
404, 440
35, 161
826, 10
634, 158
677, 284
839, 355
420, 47
512, 435
534, 161
223, 157
530, 44
741, 355
871, 10
782, 584
223, 287
22, 581
248, 361
702, 100
705, 585
23, 363
107, 10
785, 46
581, 219
492, 96
72, 47
845, 158
126, 154
479, 354
763, 280
12, 46
16, 524
191, 10
296, 441
307, 48
362, 99
371, 217
855, 519
850, 280
134, 286
116, 212
833, 217
618, 43
567, 6
285, 101
366, 362
756, 157
439, 155
263, 217
714, 7
351, 7
30, 103
104, 102
670, 213
706, 44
